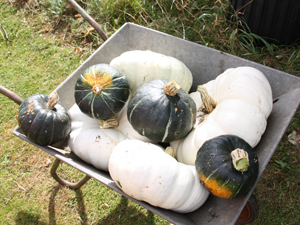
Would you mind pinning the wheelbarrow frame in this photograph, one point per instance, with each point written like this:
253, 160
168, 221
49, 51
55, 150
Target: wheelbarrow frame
205, 64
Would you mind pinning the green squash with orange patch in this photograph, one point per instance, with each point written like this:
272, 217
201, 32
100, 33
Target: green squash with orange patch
227, 166
101, 91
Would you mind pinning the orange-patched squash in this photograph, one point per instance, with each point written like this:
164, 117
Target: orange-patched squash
101, 91
227, 166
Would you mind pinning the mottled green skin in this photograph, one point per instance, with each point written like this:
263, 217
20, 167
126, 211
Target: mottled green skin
158, 116
113, 96
42, 125
215, 168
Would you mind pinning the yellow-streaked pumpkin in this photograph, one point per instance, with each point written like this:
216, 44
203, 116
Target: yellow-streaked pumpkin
101, 91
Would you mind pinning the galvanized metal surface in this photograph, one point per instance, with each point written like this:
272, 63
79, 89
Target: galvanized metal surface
205, 64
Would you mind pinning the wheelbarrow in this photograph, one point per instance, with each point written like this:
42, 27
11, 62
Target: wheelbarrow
205, 64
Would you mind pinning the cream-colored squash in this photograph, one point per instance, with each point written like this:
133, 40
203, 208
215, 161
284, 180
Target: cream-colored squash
145, 172
243, 99
78, 118
140, 67
94, 144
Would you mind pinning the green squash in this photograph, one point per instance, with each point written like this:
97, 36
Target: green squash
161, 111
227, 166
101, 91
43, 119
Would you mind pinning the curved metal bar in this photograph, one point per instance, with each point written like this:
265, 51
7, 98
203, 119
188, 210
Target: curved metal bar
13, 96
64, 182
90, 20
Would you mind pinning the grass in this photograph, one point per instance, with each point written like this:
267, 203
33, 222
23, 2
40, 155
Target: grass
45, 46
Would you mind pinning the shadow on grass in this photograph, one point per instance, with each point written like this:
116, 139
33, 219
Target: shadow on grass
124, 214
79, 200
25, 218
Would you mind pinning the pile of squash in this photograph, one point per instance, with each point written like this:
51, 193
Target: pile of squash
136, 119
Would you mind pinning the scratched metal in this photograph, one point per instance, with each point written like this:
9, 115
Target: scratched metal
205, 64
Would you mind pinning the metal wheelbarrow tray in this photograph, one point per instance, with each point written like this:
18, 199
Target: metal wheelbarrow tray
205, 64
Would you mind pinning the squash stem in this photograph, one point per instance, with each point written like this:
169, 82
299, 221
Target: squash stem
208, 102
170, 151
109, 123
171, 88
53, 100
97, 89
240, 159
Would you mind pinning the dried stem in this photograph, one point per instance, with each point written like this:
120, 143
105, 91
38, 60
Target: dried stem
208, 102
6, 36
53, 100
171, 88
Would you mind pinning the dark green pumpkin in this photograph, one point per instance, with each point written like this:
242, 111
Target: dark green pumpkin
101, 91
216, 170
158, 116
43, 123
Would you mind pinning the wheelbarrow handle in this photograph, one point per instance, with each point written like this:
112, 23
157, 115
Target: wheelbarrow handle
13, 96
88, 18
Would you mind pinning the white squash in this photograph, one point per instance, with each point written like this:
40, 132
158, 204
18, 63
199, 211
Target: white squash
78, 118
243, 102
94, 144
145, 172
140, 67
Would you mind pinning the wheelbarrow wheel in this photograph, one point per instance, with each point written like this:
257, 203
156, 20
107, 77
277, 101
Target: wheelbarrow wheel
249, 212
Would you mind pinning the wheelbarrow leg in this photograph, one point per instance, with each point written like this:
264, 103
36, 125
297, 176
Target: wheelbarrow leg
249, 212
64, 182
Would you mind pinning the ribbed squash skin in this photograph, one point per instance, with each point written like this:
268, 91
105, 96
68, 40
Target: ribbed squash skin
243, 98
158, 116
42, 125
140, 67
216, 171
113, 92
146, 173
